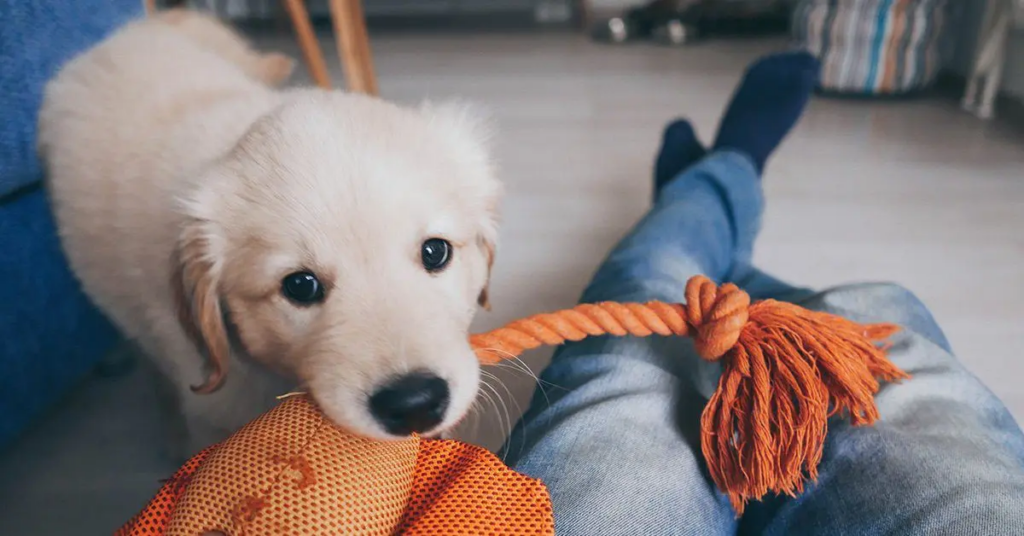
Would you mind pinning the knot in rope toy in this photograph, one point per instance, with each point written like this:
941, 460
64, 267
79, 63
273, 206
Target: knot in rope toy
785, 371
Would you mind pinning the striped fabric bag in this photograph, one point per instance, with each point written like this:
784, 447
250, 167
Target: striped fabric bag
872, 47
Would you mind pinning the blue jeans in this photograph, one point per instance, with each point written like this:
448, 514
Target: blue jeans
615, 433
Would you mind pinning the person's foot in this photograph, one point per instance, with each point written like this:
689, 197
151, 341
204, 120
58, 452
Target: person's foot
767, 104
680, 149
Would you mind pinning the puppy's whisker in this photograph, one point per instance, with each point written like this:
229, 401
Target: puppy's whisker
485, 391
508, 391
485, 396
475, 413
503, 420
513, 362
507, 423
540, 382
519, 411
510, 360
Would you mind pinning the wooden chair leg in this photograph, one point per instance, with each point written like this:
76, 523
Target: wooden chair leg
308, 43
353, 45
150, 6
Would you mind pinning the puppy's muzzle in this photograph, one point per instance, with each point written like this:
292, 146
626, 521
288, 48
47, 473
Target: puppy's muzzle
414, 403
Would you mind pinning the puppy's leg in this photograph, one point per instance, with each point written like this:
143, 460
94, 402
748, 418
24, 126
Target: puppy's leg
186, 419
172, 421
188, 425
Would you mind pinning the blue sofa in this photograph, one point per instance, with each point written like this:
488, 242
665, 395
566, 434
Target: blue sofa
50, 335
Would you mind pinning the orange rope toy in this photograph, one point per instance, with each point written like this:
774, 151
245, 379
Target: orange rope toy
785, 371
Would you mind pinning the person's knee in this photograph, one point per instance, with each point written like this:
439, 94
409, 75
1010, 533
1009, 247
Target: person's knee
913, 482
624, 360
882, 302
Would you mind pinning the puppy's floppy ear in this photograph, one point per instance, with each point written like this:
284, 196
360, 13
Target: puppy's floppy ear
467, 130
194, 279
484, 299
487, 240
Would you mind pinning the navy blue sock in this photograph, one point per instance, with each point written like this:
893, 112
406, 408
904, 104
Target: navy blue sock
767, 104
680, 149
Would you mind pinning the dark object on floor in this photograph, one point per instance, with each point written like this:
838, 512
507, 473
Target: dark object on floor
678, 22
872, 48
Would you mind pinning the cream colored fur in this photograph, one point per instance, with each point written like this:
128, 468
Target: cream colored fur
185, 188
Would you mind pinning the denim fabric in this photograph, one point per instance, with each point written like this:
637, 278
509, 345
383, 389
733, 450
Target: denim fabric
615, 435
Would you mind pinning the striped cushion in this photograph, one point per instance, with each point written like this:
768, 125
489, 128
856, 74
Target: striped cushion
872, 47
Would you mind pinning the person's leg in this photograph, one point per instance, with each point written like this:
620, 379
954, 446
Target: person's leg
614, 431
946, 457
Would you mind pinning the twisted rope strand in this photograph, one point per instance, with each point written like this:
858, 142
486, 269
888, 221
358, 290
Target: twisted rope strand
606, 318
714, 315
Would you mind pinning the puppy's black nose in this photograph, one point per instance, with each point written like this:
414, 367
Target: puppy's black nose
410, 404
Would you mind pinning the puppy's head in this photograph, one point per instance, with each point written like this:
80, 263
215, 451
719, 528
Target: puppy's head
348, 242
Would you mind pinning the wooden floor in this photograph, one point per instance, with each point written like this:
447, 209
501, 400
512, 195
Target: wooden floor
914, 192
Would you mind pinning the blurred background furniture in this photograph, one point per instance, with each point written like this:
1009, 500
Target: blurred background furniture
348, 20
985, 78
681, 22
349, 34
873, 47
51, 336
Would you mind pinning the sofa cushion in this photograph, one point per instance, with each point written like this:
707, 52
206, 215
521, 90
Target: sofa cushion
36, 38
50, 334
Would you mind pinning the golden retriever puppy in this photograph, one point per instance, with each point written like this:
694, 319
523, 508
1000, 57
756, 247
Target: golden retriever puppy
249, 238
272, 68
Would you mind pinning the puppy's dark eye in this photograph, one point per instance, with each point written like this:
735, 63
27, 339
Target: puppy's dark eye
303, 288
436, 254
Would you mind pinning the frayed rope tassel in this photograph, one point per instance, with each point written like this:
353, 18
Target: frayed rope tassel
785, 371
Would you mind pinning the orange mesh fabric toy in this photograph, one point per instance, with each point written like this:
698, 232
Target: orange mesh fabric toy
785, 371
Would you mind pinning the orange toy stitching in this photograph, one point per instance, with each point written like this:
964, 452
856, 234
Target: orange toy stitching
251, 506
